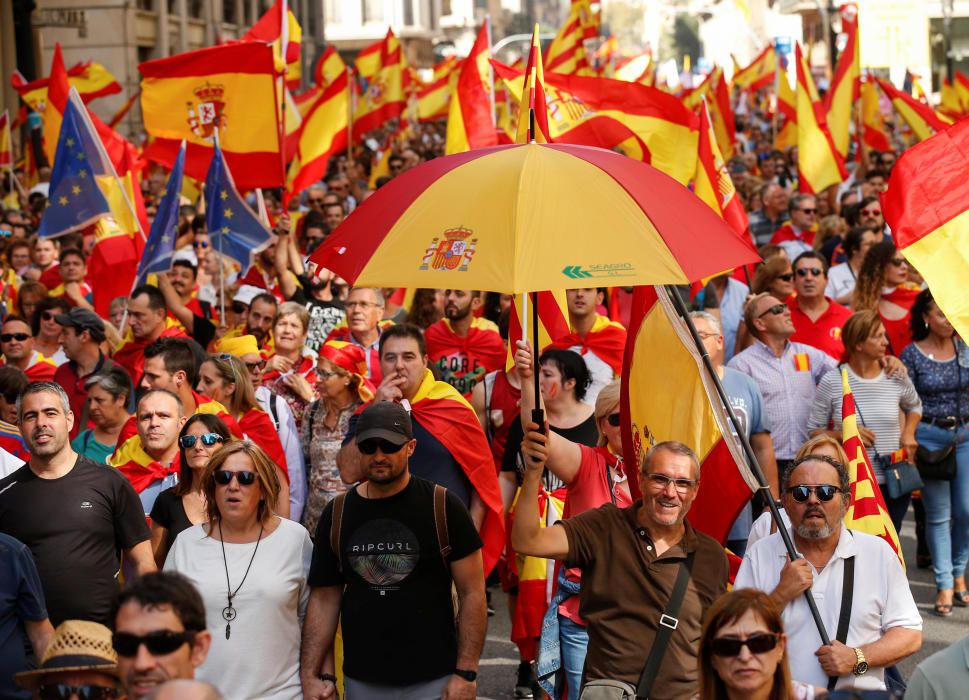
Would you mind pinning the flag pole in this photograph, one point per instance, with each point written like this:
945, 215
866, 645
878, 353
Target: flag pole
491, 72
748, 450
218, 154
350, 97
283, 41
777, 99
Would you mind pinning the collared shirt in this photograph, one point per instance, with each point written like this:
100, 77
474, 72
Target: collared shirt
787, 383
793, 239
824, 333
74, 384
763, 227
882, 600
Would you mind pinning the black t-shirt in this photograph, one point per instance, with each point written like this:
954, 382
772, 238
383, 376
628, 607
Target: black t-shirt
169, 512
397, 616
324, 316
203, 330
585, 433
75, 527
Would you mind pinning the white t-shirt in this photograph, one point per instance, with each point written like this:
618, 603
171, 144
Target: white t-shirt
841, 281
600, 374
882, 600
260, 660
762, 526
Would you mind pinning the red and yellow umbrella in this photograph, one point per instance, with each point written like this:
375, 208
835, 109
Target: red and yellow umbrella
531, 217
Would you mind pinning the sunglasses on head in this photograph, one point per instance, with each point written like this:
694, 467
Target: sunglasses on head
370, 447
208, 439
223, 477
776, 310
731, 646
7, 337
825, 492
613, 419
813, 271
158, 643
62, 691
787, 276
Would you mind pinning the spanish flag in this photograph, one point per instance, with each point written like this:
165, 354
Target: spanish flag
845, 84
130, 354
666, 395
58, 89
927, 206
640, 68
471, 120
445, 67
606, 340
867, 512
874, 133
759, 73
717, 95
786, 107
279, 25
6, 143
433, 100
91, 80
370, 60
950, 103
324, 132
383, 98
920, 117
481, 351
818, 162
802, 363
257, 426
329, 67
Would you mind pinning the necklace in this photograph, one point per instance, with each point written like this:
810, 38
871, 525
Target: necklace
229, 612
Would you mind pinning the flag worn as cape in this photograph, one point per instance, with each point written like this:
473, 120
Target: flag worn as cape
130, 354
463, 362
257, 426
607, 339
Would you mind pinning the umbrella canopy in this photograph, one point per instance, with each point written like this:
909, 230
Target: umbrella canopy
531, 217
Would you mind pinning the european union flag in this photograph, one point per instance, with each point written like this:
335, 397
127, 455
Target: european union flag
74, 200
234, 228
160, 246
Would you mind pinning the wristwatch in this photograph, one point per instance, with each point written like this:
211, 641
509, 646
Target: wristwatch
469, 676
328, 677
861, 668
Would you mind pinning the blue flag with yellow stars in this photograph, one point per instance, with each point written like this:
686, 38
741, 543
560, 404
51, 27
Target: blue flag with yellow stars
74, 200
160, 247
234, 228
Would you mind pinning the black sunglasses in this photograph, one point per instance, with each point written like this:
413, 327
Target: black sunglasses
808, 211
48, 315
62, 691
814, 271
613, 419
731, 646
158, 643
239, 308
7, 337
208, 439
223, 477
787, 277
825, 492
369, 447
776, 310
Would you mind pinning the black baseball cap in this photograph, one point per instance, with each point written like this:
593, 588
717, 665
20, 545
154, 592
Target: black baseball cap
83, 320
385, 420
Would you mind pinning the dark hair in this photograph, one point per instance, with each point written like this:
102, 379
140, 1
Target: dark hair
843, 479
114, 380
156, 300
810, 255
198, 223
872, 174
182, 262
164, 588
214, 425
491, 308
571, 366
12, 383
403, 330
266, 297
851, 242
59, 304
177, 355
920, 329
68, 252
871, 276
423, 312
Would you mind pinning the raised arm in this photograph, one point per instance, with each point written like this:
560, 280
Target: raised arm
174, 303
285, 250
527, 535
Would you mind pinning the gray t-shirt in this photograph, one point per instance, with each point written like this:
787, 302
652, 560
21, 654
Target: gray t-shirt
748, 404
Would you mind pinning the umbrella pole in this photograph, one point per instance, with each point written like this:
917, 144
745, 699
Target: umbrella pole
748, 450
538, 414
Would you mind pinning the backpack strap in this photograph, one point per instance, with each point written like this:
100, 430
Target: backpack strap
336, 526
844, 618
440, 522
274, 410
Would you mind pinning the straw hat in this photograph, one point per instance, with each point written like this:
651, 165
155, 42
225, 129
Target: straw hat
78, 645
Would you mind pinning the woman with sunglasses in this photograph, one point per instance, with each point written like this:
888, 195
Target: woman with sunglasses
883, 286
250, 567
743, 651
291, 372
107, 407
843, 276
343, 387
183, 505
46, 329
224, 378
880, 399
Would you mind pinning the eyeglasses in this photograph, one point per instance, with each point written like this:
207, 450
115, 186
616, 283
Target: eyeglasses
787, 276
808, 211
19, 337
255, 366
158, 642
208, 439
239, 308
731, 646
661, 481
360, 304
62, 691
200, 244
897, 262
326, 374
370, 447
223, 477
613, 420
802, 492
776, 310
813, 271
870, 212
315, 200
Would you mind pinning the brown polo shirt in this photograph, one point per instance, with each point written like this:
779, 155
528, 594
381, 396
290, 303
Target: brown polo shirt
625, 589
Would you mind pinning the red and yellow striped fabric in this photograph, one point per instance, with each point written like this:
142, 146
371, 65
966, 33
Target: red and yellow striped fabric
270, 28
324, 132
712, 182
6, 142
434, 99
58, 88
130, 354
802, 362
818, 162
717, 95
566, 53
607, 339
845, 85
92, 80
759, 73
553, 322
471, 122
920, 117
329, 67
384, 97
531, 97
874, 133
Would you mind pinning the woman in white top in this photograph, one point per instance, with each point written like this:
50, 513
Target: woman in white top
841, 277
250, 567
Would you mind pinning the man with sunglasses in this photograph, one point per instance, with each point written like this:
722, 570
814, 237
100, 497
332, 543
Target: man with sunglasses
817, 319
17, 346
883, 625
159, 632
797, 236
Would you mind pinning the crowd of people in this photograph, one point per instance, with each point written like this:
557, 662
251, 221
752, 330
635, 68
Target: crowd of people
260, 498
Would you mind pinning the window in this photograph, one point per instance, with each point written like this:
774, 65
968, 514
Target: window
195, 8
229, 11
333, 12
146, 5
373, 11
408, 13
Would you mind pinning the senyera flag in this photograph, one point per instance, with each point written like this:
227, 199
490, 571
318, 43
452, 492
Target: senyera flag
680, 404
927, 207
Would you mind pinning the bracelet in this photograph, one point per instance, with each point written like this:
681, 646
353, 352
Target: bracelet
328, 677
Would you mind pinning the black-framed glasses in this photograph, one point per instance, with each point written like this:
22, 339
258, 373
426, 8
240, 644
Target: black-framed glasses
756, 643
89, 691
775, 310
20, 337
157, 642
370, 447
787, 276
613, 420
326, 374
208, 439
661, 481
223, 477
813, 271
802, 492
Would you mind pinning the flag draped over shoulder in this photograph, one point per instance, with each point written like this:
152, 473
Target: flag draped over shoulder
444, 413
471, 122
927, 206
160, 247
606, 338
818, 162
845, 84
667, 395
230, 88
867, 512
482, 348
234, 227
324, 132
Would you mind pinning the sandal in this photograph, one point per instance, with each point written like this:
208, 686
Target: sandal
960, 599
942, 610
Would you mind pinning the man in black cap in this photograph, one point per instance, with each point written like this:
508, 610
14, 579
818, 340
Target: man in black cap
82, 337
387, 553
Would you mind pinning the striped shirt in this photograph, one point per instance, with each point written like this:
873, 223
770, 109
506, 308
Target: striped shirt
877, 402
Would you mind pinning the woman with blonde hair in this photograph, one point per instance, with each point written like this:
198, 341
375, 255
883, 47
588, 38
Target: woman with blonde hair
291, 372
251, 567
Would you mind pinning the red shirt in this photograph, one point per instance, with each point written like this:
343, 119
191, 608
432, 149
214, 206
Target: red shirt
66, 375
825, 333
787, 233
503, 409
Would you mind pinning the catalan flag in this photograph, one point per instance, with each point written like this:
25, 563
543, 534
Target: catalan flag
531, 98
927, 206
324, 133
160, 248
566, 53
230, 88
759, 73
471, 121
91, 80
329, 68
234, 228
867, 512
818, 162
845, 84
278, 26
920, 117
